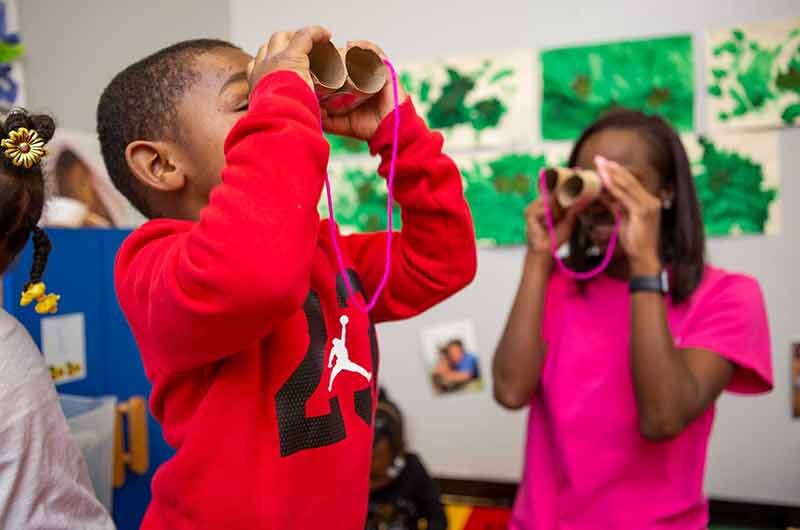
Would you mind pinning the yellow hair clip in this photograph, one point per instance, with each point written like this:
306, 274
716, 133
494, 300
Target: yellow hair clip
33, 292
46, 303
24, 147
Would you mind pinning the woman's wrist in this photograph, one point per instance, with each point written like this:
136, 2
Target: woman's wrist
645, 265
538, 263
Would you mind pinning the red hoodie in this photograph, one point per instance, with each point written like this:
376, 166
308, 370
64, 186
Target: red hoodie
235, 317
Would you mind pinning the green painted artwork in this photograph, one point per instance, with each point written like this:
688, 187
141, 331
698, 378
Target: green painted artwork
498, 187
754, 75
359, 199
451, 109
732, 190
498, 190
582, 83
475, 101
736, 175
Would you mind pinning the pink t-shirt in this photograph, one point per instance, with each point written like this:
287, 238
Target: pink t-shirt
587, 466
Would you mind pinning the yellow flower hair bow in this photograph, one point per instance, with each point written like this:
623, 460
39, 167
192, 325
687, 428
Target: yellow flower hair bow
46, 303
24, 147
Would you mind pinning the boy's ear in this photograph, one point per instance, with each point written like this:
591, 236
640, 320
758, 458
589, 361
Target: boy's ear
155, 165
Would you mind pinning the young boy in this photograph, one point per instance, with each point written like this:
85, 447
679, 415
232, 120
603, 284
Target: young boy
233, 290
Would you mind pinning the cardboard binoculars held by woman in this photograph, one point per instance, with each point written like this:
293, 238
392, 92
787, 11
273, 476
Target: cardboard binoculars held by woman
570, 186
344, 79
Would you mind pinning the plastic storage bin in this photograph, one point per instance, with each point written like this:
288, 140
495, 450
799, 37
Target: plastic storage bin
91, 421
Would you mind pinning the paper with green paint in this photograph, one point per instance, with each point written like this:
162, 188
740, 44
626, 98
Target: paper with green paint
476, 101
579, 84
753, 75
737, 176
499, 186
359, 197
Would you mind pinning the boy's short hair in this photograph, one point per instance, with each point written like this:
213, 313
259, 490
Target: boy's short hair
140, 104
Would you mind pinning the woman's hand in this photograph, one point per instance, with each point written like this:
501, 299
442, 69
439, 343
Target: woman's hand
640, 217
539, 243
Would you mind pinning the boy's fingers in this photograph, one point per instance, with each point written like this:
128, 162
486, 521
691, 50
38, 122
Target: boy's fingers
306, 38
277, 43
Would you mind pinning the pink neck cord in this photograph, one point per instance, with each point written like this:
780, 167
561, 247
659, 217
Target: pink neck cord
389, 202
551, 231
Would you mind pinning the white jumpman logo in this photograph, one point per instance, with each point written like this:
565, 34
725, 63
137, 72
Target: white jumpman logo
343, 362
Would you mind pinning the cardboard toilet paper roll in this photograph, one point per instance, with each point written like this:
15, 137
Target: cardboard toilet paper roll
344, 79
571, 185
328, 70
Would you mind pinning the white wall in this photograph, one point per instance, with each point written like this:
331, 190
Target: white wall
755, 450
74, 48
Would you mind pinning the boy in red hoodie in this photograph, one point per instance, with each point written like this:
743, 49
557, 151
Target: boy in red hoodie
233, 291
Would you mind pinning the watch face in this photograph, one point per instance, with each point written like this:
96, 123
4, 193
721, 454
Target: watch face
664, 281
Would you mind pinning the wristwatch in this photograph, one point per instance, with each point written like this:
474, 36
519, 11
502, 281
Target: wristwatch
654, 284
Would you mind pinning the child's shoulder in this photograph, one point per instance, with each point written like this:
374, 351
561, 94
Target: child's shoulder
12, 333
22, 367
151, 232
144, 246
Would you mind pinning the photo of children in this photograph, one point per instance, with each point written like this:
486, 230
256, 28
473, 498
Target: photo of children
451, 358
81, 194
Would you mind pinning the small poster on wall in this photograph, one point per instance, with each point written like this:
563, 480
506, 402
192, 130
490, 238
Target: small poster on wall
580, 84
753, 75
450, 354
64, 347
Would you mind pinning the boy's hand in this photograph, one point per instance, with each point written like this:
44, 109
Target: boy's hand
362, 122
287, 50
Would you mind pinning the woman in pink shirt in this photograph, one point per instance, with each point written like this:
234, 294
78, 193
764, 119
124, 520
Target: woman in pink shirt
621, 371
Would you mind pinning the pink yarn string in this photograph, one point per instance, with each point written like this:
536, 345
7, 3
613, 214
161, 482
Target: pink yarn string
554, 246
389, 201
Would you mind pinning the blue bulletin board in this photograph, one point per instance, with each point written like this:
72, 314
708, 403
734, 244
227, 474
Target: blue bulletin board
80, 269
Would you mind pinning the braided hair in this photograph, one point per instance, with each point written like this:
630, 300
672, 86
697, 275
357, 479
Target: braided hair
22, 197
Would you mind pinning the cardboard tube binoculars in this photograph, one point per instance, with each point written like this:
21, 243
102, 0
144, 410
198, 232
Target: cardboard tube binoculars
344, 79
569, 186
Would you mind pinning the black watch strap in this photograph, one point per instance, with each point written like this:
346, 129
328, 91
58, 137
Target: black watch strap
654, 284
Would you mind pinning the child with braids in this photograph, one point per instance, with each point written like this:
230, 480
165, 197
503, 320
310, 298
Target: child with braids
263, 368
44, 482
